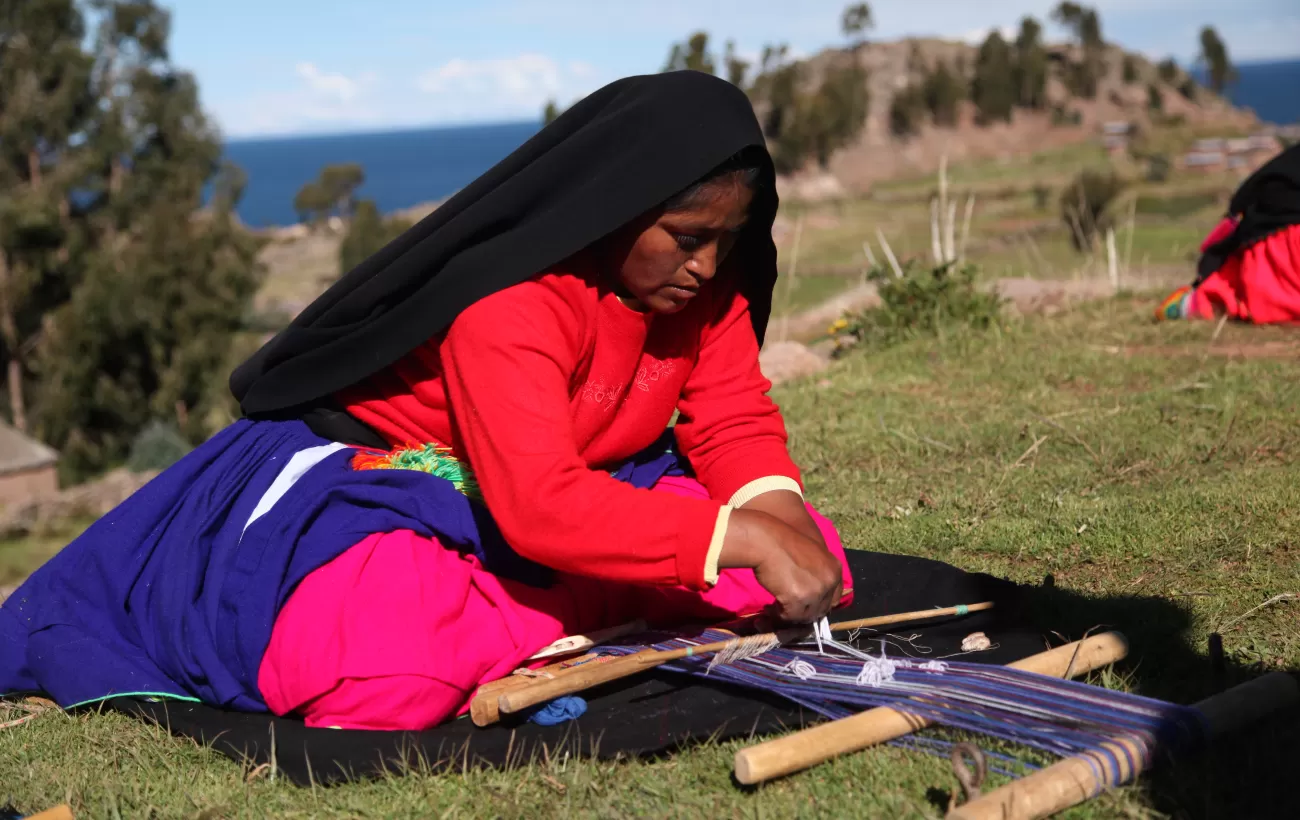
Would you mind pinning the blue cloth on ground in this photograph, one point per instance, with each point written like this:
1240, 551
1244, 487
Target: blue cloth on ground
565, 707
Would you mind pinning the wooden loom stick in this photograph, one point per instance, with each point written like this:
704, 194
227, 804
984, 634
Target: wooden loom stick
1076, 779
806, 748
483, 706
518, 698
905, 617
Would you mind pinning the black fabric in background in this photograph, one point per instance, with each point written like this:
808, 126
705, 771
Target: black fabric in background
649, 714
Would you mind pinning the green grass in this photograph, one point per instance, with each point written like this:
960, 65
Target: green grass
1163, 496
18, 556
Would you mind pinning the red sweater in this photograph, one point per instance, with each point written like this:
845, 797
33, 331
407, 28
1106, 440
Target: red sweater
541, 386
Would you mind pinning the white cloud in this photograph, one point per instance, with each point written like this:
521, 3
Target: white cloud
505, 86
338, 87
977, 36
316, 100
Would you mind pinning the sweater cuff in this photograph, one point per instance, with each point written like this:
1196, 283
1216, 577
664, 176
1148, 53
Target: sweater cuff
715, 546
762, 485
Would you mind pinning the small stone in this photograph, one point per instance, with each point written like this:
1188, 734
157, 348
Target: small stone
783, 361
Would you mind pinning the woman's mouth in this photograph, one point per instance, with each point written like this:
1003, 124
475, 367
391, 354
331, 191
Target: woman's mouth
681, 293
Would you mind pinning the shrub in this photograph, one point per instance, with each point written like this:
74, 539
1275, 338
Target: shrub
1158, 167
1086, 206
1041, 196
924, 301
906, 112
158, 446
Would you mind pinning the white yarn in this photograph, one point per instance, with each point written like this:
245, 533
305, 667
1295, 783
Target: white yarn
878, 671
801, 669
743, 648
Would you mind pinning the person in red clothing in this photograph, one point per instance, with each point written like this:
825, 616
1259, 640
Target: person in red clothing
528, 400
1250, 263
465, 449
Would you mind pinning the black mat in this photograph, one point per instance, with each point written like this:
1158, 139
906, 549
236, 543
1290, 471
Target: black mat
648, 715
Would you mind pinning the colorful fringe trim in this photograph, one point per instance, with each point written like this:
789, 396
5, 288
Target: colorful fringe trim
433, 459
1175, 305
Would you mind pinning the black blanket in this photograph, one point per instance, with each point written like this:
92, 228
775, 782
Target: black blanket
646, 715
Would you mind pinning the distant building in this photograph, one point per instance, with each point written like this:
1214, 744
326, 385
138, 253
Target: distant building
1115, 135
1204, 161
1240, 154
27, 468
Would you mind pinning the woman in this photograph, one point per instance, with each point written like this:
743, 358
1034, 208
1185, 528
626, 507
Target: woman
1250, 262
456, 455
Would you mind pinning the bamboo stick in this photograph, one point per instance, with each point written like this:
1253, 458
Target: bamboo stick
483, 705
936, 233
801, 750
965, 228
949, 227
889, 253
515, 699
1074, 780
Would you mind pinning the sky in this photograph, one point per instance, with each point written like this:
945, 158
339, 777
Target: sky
281, 67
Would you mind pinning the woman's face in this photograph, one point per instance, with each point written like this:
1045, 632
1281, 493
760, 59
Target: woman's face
666, 257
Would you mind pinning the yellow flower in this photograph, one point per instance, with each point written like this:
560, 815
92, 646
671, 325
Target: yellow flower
838, 325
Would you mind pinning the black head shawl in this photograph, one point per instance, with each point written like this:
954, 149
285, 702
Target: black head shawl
610, 158
1267, 202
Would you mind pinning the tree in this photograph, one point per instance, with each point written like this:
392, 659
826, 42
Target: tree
942, 90
332, 193
856, 22
339, 183
1130, 70
368, 232
820, 123
550, 113
776, 86
1085, 26
1155, 99
737, 69
1030, 70
1168, 70
993, 87
118, 297
693, 55
311, 203
1214, 57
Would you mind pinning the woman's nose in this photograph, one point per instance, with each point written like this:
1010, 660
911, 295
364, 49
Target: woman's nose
704, 263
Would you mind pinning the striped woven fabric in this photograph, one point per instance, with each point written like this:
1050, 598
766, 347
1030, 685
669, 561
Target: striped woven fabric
1060, 717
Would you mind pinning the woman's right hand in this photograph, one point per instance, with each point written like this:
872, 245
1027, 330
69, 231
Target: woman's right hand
803, 576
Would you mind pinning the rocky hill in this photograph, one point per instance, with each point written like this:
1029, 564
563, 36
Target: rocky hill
877, 154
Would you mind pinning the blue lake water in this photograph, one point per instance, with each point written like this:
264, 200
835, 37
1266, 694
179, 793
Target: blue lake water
405, 168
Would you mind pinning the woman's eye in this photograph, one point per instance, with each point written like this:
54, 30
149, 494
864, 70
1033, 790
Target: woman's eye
687, 242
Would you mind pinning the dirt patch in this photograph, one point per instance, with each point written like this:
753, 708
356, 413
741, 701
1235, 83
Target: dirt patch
1027, 296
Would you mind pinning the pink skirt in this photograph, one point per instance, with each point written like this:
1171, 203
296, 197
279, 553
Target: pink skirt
399, 632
